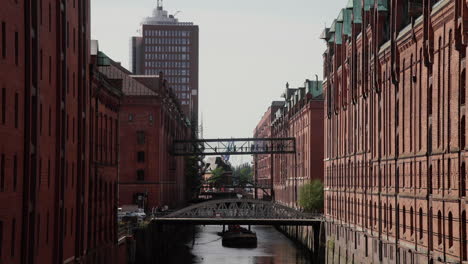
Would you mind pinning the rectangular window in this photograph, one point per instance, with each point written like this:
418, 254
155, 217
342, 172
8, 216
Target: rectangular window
41, 55
16, 109
65, 223
2, 173
141, 156
3, 105
140, 175
4, 48
1, 238
16, 48
48, 173
50, 69
38, 229
50, 18
40, 119
15, 172
50, 121
68, 34
13, 236
141, 137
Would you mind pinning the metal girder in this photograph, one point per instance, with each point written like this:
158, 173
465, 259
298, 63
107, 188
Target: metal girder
234, 146
240, 210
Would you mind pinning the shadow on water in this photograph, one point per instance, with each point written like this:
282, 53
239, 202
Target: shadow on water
273, 247
176, 245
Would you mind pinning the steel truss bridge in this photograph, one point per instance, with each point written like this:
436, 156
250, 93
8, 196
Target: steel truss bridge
240, 212
234, 146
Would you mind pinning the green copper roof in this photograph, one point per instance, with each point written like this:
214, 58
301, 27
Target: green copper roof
332, 27
347, 13
357, 12
368, 4
350, 4
339, 33
315, 88
383, 5
102, 59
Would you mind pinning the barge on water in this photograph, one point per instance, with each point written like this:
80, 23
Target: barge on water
239, 237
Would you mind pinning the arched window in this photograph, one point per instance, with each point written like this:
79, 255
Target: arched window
463, 179
463, 87
390, 222
385, 215
375, 214
404, 219
421, 228
450, 229
439, 228
463, 237
411, 221
463, 133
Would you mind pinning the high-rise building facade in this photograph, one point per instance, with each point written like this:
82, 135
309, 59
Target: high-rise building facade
169, 46
395, 132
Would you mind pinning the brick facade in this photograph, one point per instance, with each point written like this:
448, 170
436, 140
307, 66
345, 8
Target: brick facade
395, 170
150, 119
300, 116
45, 99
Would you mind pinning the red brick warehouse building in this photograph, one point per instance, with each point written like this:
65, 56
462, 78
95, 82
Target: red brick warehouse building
300, 116
395, 132
45, 94
263, 168
150, 120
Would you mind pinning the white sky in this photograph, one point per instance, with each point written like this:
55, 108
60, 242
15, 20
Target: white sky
249, 49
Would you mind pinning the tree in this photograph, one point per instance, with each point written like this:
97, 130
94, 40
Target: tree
311, 196
193, 175
243, 174
216, 178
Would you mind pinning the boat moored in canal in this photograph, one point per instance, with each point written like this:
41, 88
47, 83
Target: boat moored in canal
239, 237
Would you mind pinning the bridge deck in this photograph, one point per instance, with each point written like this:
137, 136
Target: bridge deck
236, 221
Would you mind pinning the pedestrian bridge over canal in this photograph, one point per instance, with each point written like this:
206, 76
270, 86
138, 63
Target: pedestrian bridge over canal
240, 212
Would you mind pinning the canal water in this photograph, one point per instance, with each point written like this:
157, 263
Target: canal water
273, 248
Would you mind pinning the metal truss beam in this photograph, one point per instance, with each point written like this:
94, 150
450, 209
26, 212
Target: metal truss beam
234, 146
241, 211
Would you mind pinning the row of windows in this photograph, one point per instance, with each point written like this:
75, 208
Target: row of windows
183, 95
167, 33
173, 48
388, 217
167, 41
184, 102
167, 64
166, 49
4, 42
175, 80
168, 71
180, 88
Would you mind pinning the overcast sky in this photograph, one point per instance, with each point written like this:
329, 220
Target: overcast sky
249, 49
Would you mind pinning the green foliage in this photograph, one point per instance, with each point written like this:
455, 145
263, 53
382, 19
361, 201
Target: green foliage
217, 176
243, 174
192, 174
311, 196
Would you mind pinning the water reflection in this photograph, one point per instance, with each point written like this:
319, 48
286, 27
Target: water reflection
273, 248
